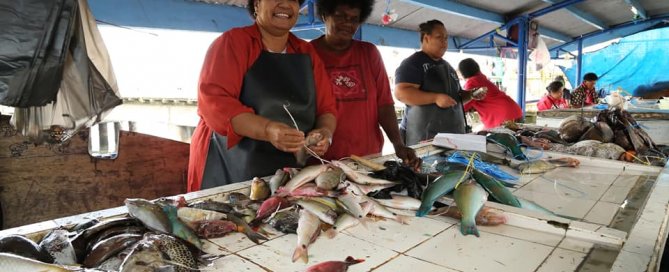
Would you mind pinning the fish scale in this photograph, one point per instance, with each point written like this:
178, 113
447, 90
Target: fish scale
178, 253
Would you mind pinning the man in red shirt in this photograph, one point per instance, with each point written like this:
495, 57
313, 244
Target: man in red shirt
248, 76
360, 84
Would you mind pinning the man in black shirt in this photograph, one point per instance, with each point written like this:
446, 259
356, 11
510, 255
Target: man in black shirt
430, 88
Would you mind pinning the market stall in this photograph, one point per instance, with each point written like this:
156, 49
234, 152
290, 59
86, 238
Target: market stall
608, 216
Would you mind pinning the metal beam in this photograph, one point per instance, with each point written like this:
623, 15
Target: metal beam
552, 34
583, 16
523, 25
640, 11
613, 32
456, 8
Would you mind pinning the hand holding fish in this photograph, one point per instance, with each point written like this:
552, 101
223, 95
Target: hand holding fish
284, 137
479, 93
324, 139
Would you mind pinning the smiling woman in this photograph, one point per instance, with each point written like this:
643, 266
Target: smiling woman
360, 83
250, 74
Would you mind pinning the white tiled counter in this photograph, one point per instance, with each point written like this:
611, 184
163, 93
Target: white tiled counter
603, 194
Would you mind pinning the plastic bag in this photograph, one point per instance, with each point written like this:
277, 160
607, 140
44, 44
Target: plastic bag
87, 92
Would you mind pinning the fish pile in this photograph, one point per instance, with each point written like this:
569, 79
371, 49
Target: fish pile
612, 134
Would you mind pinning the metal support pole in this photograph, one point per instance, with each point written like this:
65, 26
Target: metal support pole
522, 61
579, 63
311, 11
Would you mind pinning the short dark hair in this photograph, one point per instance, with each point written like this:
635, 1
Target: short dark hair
469, 68
559, 78
251, 8
590, 77
427, 27
555, 86
327, 7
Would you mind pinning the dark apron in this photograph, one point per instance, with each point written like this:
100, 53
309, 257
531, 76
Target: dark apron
272, 81
424, 122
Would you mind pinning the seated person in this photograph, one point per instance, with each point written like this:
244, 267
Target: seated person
585, 94
566, 93
553, 100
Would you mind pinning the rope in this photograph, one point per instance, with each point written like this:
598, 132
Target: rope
468, 169
311, 152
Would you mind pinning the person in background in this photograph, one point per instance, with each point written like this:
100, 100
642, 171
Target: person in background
496, 107
566, 93
585, 94
359, 82
430, 88
553, 100
251, 77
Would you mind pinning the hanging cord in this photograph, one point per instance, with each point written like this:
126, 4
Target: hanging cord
470, 165
508, 149
311, 152
537, 157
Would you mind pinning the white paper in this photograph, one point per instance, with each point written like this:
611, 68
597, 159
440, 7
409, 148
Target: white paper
470, 142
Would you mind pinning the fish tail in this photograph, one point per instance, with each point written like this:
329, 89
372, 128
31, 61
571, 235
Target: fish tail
467, 228
331, 233
403, 219
367, 208
254, 236
423, 210
350, 260
301, 253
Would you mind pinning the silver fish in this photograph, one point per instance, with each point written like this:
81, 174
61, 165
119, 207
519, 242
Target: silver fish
330, 179
16, 263
325, 213
279, 178
151, 215
58, 244
360, 178
401, 202
307, 174
307, 227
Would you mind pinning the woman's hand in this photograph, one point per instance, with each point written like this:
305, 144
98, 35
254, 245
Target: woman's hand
284, 137
323, 138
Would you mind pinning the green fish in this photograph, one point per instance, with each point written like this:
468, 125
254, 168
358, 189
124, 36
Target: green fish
535, 167
529, 205
180, 229
510, 142
470, 197
496, 189
440, 187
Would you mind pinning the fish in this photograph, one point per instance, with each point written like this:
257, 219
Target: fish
109, 247
280, 177
550, 135
268, 207
259, 189
150, 214
303, 154
82, 240
191, 216
307, 174
285, 221
381, 211
600, 131
573, 127
178, 252
116, 231
244, 227
84, 225
323, 212
481, 155
470, 197
179, 229
401, 202
214, 228
360, 178
330, 179
440, 187
334, 266
351, 204
366, 189
510, 142
212, 205
308, 226
485, 217
16, 263
535, 167
343, 222
529, 205
565, 162
309, 190
57, 244
498, 191
237, 199
144, 257
22, 246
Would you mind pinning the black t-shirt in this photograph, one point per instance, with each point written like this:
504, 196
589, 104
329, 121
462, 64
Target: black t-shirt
432, 76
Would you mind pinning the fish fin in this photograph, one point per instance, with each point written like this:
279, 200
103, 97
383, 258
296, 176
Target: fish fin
351, 261
403, 219
424, 209
469, 228
366, 208
331, 233
301, 253
254, 236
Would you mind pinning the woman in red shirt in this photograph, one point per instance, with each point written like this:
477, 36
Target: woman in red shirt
496, 107
553, 100
359, 82
250, 76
